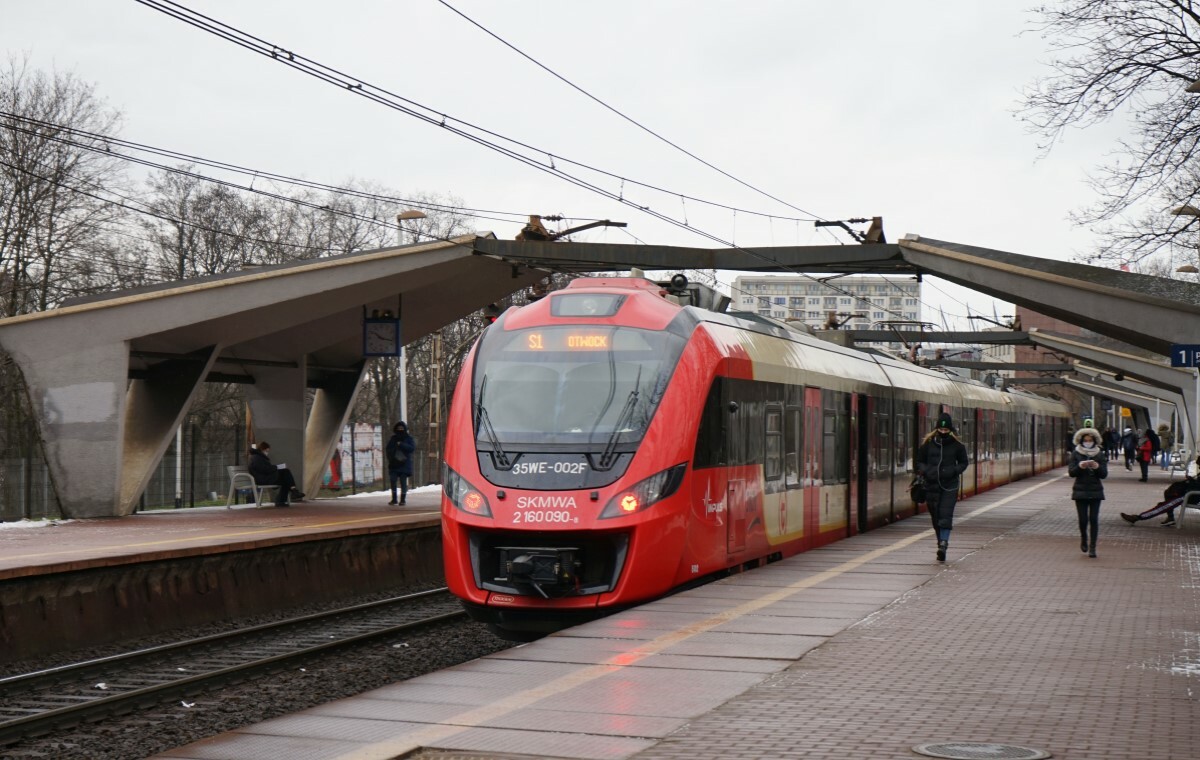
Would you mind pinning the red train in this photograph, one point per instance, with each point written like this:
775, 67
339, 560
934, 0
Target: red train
609, 443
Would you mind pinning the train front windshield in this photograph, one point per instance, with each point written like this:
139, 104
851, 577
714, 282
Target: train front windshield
571, 385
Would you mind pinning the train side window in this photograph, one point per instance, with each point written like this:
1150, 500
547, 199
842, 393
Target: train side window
883, 435
773, 461
835, 443
793, 431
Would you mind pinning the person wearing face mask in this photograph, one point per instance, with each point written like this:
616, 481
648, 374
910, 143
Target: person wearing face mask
941, 459
1089, 467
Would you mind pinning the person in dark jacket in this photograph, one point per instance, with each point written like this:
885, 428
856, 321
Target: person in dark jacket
1089, 467
941, 459
267, 474
400, 449
1129, 441
1111, 443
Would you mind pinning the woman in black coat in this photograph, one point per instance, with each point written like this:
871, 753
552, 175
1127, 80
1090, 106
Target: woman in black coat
1089, 467
400, 449
941, 459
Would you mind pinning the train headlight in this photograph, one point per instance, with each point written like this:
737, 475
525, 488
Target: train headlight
465, 496
645, 493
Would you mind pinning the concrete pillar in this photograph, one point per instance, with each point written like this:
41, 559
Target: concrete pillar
154, 408
277, 412
330, 410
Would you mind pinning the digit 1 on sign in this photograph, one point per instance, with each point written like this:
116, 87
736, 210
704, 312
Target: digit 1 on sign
1185, 355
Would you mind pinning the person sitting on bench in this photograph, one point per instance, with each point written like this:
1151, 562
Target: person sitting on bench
1173, 497
267, 474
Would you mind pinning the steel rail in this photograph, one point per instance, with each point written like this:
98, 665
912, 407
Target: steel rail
40, 722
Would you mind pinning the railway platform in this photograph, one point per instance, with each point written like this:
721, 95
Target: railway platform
1020, 646
77, 583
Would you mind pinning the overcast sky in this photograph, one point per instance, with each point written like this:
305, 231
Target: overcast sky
843, 109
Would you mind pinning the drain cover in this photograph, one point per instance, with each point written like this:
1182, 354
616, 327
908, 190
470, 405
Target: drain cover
979, 751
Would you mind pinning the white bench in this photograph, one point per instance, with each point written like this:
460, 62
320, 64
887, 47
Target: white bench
240, 479
1191, 500
1180, 460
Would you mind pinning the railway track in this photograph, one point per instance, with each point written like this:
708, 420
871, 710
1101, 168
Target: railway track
35, 704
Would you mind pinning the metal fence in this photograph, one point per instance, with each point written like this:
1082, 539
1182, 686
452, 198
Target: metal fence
26, 492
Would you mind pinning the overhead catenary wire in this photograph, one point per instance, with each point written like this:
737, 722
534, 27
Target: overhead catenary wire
624, 116
546, 159
423, 113
104, 146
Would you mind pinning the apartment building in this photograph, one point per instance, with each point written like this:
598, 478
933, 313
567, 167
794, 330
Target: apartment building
853, 302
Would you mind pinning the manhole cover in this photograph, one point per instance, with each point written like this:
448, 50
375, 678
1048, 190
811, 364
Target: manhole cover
979, 751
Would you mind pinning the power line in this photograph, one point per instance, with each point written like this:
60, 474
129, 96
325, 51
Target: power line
412, 108
627, 118
108, 142
384, 97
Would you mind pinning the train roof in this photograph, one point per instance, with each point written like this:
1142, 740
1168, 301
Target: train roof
895, 372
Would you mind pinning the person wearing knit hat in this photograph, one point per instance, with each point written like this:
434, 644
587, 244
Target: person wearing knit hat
1089, 466
941, 459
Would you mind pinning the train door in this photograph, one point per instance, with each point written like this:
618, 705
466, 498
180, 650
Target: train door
737, 437
920, 426
985, 448
860, 472
813, 417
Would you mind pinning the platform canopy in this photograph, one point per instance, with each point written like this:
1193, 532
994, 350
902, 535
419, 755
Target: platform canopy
111, 378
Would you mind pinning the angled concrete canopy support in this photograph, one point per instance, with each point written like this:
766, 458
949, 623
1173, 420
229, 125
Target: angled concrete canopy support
1155, 311
1149, 371
1126, 397
1102, 379
283, 328
154, 409
330, 411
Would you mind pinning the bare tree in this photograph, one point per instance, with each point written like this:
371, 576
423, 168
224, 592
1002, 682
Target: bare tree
52, 210
54, 224
1132, 58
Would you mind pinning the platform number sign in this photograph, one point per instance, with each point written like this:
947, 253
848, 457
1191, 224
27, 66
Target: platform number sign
1185, 355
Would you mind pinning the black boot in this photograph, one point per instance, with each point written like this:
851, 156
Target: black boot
941, 552
1092, 550
1083, 544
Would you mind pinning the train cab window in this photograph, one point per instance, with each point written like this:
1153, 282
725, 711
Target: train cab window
577, 384
773, 461
585, 305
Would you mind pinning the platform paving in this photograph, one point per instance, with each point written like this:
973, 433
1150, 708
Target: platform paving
863, 649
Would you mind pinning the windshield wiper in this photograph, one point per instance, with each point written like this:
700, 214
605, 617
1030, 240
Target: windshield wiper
501, 458
607, 458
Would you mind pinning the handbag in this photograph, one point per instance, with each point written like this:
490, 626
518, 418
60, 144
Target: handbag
916, 489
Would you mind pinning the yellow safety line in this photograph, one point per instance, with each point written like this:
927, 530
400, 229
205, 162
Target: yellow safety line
210, 537
392, 748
